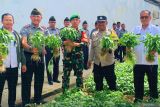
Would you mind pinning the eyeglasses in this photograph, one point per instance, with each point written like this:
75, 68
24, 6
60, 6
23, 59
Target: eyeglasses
144, 17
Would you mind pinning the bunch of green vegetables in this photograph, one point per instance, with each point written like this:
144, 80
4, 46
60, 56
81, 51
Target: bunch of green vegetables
107, 45
70, 34
54, 42
37, 42
152, 44
5, 39
130, 40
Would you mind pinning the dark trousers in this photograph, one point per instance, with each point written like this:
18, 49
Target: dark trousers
11, 75
122, 52
139, 73
38, 69
55, 75
107, 72
116, 53
85, 55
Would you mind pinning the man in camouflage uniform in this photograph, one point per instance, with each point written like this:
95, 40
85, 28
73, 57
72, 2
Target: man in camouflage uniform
74, 59
32, 67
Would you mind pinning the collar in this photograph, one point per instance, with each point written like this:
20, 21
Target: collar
123, 29
107, 32
52, 28
85, 29
32, 25
7, 30
148, 27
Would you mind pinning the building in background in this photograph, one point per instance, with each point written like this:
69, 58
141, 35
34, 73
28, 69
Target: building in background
126, 11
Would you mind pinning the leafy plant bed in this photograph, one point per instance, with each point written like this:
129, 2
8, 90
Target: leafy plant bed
123, 97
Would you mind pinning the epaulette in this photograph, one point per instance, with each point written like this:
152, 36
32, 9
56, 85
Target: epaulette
43, 27
27, 26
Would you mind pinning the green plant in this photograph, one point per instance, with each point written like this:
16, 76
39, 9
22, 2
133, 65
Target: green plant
54, 42
88, 97
152, 44
70, 34
107, 45
129, 40
37, 42
5, 39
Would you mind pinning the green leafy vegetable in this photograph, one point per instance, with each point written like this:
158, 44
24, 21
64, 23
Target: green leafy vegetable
130, 40
37, 41
55, 43
69, 33
5, 39
152, 44
107, 45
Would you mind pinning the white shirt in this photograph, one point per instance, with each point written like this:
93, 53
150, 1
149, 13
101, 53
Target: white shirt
11, 60
140, 50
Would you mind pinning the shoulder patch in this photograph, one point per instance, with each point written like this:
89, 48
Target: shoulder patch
26, 26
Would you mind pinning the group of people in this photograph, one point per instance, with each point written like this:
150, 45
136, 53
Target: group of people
78, 59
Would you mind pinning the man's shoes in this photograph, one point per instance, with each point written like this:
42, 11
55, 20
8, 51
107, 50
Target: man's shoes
50, 82
39, 102
11, 105
57, 81
26, 105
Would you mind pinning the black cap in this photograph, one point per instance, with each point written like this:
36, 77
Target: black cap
52, 18
118, 22
35, 12
101, 18
66, 19
85, 22
114, 24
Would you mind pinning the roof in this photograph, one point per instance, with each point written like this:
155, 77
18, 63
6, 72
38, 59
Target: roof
154, 2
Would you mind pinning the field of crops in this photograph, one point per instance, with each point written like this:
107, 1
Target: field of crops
88, 97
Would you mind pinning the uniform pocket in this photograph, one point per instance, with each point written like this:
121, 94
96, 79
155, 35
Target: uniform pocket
95, 43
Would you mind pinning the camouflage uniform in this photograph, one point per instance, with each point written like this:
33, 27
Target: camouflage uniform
73, 60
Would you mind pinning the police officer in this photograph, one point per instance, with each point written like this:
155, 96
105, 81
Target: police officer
86, 45
102, 67
32, 67
14, 58
66, 22
122, 50
52, 30
95, 29
74, 59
